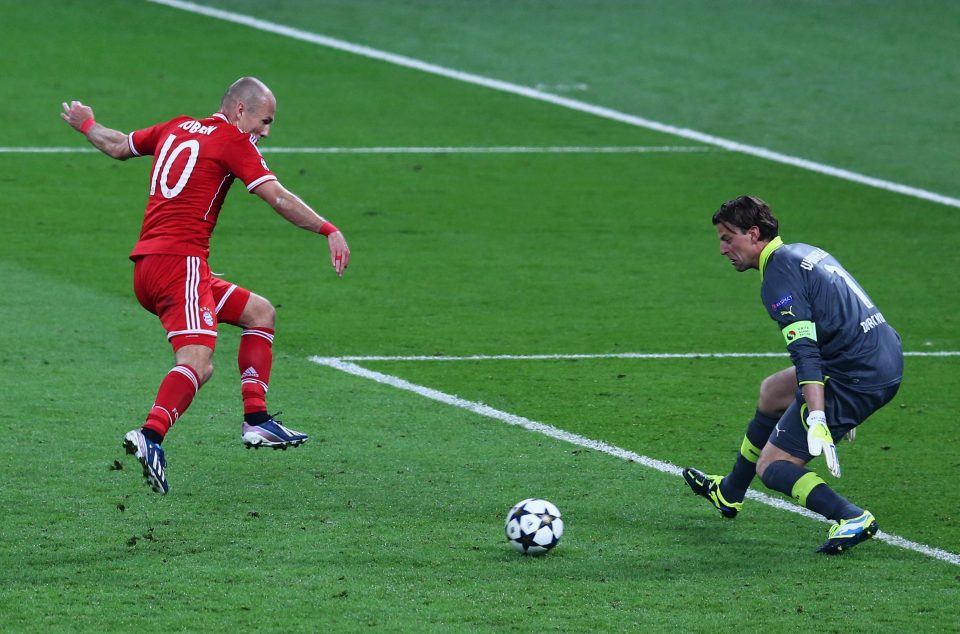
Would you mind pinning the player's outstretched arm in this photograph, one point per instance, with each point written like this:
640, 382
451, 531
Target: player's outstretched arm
299, 213
111, 142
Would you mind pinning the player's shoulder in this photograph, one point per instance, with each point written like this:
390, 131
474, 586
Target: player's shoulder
799, 256
795, 250
781, 271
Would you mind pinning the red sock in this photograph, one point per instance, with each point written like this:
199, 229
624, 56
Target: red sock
173, 398
255, 359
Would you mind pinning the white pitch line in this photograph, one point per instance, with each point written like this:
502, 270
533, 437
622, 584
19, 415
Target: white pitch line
612, 355
597, 445
565, 102
520, 149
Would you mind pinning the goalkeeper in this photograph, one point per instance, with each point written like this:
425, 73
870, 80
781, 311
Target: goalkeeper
847, 364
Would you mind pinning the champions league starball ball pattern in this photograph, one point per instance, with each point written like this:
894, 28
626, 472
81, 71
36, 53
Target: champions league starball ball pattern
533, 526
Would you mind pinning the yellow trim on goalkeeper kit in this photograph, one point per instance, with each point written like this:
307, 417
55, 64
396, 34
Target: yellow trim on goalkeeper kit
802, 487
768, 250
749, 450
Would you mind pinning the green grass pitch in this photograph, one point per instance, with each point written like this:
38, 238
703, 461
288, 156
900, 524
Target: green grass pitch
391, 517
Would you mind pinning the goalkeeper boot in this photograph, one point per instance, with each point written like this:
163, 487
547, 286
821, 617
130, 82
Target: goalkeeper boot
708, 486
848, 533
150, 455
270, 433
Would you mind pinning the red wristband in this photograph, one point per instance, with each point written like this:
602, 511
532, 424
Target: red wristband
327, 228
86, 125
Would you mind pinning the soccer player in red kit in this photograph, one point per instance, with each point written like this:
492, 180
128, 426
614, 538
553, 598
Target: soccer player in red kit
195, 162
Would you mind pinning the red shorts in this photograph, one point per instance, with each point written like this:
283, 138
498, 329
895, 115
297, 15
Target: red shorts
189, 301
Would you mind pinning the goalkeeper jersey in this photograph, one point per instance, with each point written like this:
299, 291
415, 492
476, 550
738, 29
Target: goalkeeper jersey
831, 327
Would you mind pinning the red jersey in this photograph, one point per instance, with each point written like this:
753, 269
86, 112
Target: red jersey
195, 162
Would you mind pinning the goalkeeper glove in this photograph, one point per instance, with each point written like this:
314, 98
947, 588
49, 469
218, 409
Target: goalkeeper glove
820, 441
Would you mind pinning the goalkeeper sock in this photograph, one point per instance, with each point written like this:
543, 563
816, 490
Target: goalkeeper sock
734, 486
808, 490
827, 502
783, 476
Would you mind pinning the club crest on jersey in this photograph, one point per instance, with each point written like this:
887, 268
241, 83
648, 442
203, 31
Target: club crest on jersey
207, 316
783, 301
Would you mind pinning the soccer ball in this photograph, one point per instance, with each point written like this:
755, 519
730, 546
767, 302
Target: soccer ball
534, 526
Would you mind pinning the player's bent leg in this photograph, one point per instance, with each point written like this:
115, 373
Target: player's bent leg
734, 486
200, 360
258, 312
708, 487
255, 360
854, 525
787, 474
174, 396
777, 392
255, 357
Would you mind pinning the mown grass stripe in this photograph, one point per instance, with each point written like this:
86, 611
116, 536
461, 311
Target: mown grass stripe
565, 102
